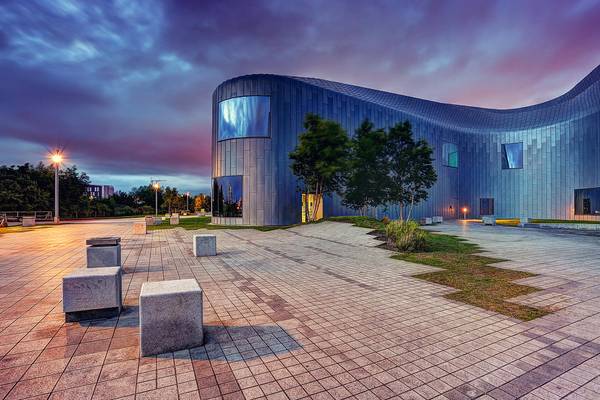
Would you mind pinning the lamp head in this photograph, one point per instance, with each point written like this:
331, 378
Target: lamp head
56, 157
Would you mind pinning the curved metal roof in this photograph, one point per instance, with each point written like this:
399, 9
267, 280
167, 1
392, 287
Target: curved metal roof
583, 99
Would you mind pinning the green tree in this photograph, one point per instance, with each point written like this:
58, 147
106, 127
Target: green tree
206, 203
320, 159
410, 166
365, 184
172, 200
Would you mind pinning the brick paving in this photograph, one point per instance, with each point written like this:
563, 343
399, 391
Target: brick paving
310, 312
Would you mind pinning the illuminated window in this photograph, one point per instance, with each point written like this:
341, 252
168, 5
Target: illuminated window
512, 156
450, 155
227, 196
587, 201
246, 116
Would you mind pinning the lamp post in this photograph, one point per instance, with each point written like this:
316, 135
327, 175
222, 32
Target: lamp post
156, 187
187, 201
56, 158
464, 210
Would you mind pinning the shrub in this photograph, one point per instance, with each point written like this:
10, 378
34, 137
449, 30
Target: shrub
385, 220
124, 210
406, 236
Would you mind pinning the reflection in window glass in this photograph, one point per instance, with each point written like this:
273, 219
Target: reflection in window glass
587, 201
512, 156
244, 117
450, 155
227, 196
486, 206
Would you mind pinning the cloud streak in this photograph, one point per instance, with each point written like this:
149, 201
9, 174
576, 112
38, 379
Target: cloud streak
126, 85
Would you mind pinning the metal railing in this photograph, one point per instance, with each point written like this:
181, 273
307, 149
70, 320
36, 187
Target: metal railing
17, 216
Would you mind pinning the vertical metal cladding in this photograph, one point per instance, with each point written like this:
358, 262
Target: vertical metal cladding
561, 148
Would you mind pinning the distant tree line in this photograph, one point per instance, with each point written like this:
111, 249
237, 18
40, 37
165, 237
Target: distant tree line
374, 167
30, 187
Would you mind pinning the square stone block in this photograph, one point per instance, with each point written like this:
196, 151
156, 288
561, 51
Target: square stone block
174, 220
103, 241
28, 221
426, 221
92, 293
149, 220
205, 245
489, 220
438, 219
139, 228
170, 316
104, 256
524, 221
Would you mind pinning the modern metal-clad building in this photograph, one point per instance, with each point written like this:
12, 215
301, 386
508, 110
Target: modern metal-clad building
540, 161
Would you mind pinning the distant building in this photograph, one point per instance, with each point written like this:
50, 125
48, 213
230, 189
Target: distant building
100, 191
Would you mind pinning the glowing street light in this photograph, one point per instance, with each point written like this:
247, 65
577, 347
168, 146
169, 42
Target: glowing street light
464, 210
57, 158
156, 186
187, 201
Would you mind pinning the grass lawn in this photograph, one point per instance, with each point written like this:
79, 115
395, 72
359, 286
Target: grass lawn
194, 223
479, 283
363, 222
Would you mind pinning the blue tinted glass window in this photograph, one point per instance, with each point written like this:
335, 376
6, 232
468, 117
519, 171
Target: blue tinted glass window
227, 196
244, 117
512, 155
450, 155
587, 201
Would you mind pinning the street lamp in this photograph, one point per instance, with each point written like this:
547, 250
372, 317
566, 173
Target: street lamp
187, 202
156, 187
464, 210
56, 157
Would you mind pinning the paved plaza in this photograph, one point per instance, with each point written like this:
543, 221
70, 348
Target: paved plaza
315, 311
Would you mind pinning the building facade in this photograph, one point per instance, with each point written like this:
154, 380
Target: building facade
99, 191
540, 161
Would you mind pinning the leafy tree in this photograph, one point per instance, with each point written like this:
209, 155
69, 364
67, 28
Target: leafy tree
320, 159
410, 165
198, 202
172, 199
365, 185
206, 204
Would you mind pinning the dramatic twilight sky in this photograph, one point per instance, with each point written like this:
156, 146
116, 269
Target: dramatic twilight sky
125, 86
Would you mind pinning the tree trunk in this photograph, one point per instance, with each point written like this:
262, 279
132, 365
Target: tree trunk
410, 209
316, 202
306, 210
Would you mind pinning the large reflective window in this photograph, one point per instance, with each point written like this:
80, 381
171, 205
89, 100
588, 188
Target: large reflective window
512, 156
227, 196
246, 116
450, 155
587, 201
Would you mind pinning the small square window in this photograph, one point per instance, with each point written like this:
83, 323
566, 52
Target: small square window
450, 155
512, 156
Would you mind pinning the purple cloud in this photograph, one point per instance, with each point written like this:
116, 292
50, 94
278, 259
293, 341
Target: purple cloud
126, 86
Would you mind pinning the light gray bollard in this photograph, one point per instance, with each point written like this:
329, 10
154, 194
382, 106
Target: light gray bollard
103, 252
170, 316
205, 245
90, 293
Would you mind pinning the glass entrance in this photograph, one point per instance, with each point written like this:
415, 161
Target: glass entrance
311, 206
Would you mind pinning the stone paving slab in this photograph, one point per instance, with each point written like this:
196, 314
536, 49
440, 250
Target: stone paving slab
315, 311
